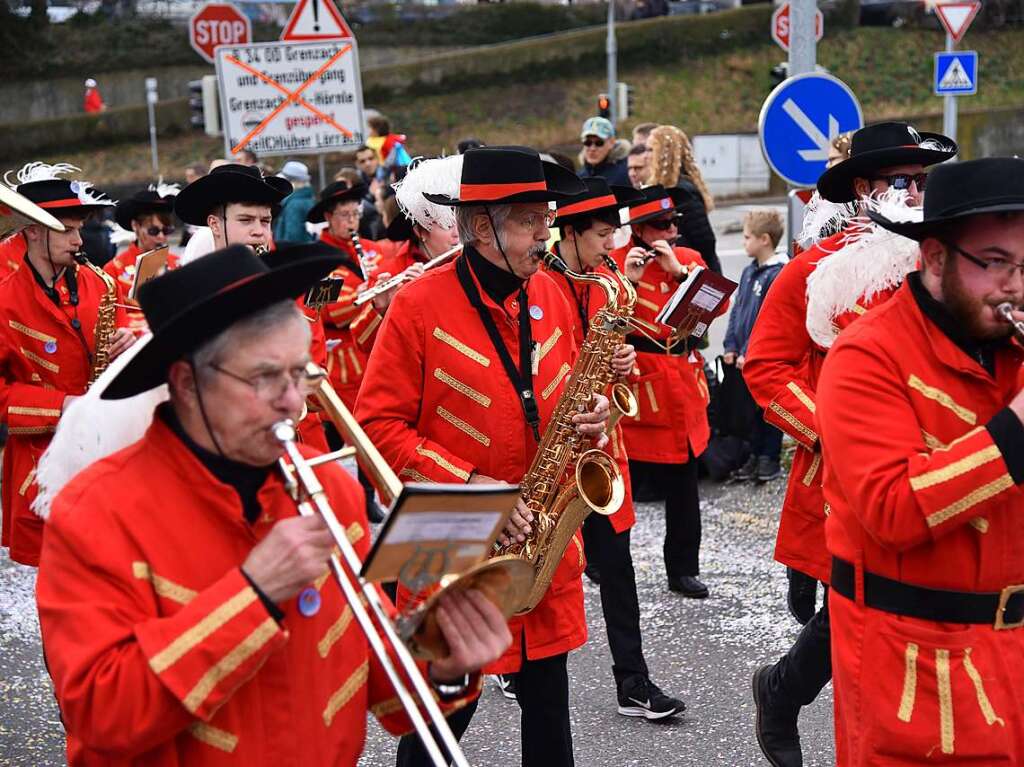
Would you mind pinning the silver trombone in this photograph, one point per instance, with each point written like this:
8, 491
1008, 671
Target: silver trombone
307, 490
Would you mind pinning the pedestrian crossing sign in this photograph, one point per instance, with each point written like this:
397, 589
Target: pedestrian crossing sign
956, 73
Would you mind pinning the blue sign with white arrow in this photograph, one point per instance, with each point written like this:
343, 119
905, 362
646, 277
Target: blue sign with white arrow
798, 121
956, 73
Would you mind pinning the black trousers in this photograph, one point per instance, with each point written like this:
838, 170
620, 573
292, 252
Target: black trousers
542, 688
609, 552
800, 675
682, 513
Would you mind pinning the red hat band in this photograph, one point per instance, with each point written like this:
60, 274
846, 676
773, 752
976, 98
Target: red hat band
661, 205
489, 192
586, 206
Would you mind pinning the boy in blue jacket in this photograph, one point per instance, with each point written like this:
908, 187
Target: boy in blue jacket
762, 230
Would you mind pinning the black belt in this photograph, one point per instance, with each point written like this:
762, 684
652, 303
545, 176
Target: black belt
1002, 609
643, 344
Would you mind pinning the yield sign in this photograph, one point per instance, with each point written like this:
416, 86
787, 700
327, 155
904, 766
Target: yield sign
957, 17
315, 20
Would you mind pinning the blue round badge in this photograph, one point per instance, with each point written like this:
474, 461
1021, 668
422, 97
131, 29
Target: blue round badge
50, 347
309, 602
536, 312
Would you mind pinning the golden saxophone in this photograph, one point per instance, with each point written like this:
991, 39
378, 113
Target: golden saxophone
560, 504
106, 321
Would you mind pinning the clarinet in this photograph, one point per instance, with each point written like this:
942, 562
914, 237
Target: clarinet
366, 267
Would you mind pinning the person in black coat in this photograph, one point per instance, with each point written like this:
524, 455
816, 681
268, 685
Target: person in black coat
672, 164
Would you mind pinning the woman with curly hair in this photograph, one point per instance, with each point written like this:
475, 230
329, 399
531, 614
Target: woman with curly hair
672, 164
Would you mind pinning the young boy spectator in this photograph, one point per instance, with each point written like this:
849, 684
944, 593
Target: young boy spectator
762, 230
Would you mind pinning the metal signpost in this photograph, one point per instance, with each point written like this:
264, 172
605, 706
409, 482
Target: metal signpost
151, 99
956, 74
286, 98
611, 49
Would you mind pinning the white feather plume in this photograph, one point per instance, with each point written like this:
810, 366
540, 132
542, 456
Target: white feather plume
165, 190
823, 218
93, 428
440, 175
869, 259
40, 171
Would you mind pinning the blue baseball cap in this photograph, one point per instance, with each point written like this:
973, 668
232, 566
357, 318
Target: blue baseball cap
598, 126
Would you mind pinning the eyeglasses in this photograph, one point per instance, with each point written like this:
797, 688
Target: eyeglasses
531, 221
271, 385
1000, 268
347, 215
166, 231
593, 142
902, 180
664, 224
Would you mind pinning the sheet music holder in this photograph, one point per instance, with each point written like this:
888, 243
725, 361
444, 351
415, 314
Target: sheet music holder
324, 292
434, 530
696, 302
148, 265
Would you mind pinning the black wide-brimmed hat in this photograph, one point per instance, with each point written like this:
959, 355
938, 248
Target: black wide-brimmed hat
188, 306
62, 196
144, 203
958, 190
332, 194
505, 175
599, 198
226, 184
400, 229
884, 145
655, 201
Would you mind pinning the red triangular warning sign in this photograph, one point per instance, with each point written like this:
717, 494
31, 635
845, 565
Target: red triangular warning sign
957, 17
315, 20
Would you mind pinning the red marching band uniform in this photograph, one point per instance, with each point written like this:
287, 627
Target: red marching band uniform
12, 252
782, 369
671, 388
920, 493
436, 404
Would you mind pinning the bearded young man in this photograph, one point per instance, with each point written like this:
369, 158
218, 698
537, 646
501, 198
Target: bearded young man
149, 214
186, 613
468, 367
49, 311
920, 417
816, 295
587, 223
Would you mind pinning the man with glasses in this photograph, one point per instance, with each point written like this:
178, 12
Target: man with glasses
920, 413
467, 369
186, 612
818, 294
637, 162
149, 214
671, 430
602, 154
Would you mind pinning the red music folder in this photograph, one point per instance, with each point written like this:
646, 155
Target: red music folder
697, 301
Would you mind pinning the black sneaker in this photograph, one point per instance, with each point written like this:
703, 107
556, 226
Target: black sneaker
746, 472
768, 469
688, 585
639, 696
775, 726
507, 685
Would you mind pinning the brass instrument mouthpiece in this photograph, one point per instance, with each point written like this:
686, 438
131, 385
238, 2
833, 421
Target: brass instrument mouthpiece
284, 431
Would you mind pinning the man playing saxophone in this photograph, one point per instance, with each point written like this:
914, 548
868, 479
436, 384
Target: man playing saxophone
197, 625
51, 339
469, 364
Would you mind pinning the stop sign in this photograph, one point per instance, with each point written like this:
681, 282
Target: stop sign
780, 25
218, 24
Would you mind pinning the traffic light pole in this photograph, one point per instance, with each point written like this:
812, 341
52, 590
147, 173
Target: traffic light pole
611, 48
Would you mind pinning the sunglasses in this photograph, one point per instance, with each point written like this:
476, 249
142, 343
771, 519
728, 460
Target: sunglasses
664, 224
902, 181
166, 231
594, 142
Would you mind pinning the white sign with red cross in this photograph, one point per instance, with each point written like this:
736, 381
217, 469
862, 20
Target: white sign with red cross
780, 26
218, 24
290, 98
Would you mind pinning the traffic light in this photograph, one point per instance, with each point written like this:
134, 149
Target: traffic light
202, 101
604, 106
624, 97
